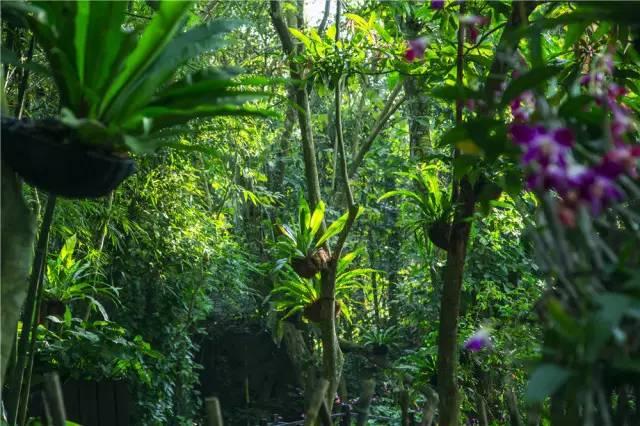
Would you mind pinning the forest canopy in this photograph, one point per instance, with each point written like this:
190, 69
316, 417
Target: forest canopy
320, 212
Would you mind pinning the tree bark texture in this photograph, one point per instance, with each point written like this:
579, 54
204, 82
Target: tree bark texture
18, 235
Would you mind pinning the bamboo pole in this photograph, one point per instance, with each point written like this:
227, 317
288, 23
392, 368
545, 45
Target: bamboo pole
28, 317
214, 413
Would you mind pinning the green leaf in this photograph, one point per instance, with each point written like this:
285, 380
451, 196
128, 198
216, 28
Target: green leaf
304, 215
301, 37
563, 322
544, 381
185, 46
104, 41
403, 193
531, 80
81, 23
66, 252
452, 93
333, 229
156, 36
573, 34
317, 218
10, 57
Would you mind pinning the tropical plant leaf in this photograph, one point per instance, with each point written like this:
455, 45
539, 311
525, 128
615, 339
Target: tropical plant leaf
544, 381
317, 218
333, 229
163, 26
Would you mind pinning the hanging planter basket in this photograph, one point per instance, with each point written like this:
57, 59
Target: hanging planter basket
43, 153
308, 267
312, 311
439, 233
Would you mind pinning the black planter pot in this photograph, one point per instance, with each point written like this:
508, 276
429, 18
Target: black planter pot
43, 154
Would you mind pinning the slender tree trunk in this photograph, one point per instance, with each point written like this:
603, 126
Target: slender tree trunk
463, 199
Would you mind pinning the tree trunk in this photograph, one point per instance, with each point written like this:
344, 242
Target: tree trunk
331, 355
18, 235
463, 199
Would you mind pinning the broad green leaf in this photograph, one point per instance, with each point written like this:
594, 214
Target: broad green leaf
81, 23
358, 20
185, 46
163, 118
573, 34
304, 215
287, 232
156, 36
403, 193
306, 41
545, 381
317, 218
333, 229
66, 253
104, 40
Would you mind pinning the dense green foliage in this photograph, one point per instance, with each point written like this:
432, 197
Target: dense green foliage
204, 238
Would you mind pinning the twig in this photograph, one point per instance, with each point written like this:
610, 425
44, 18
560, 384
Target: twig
325, 17
386, 112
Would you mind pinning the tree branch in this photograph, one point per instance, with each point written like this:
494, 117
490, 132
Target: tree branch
325, 17
387, 111
279, 23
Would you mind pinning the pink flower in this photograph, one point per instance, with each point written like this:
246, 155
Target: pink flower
619, 160
474, 20
523, 106
415, 49
471, 22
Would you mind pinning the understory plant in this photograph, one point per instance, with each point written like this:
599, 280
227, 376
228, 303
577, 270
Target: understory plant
97, 350
69, 280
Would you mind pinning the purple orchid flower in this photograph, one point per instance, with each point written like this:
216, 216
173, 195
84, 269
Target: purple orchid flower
415, 49
437, 4
523, 106
598, 191
622, 121
541, 146
479, 340
619, 160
